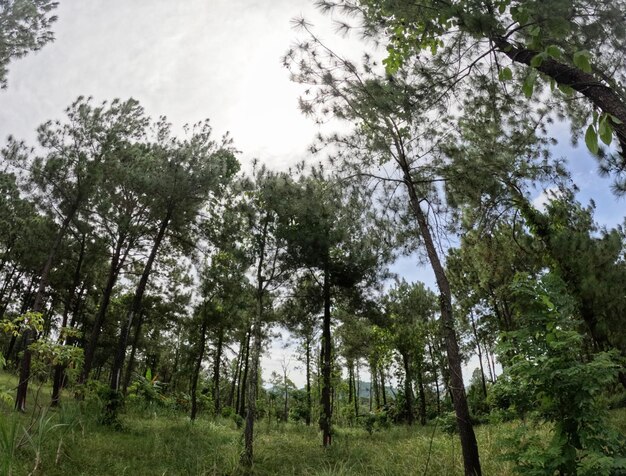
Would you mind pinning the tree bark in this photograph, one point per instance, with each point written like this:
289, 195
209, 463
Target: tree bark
131, 357
235, 382
29, 335
480, 354
408, 389
469, 446
325, 418
198, 366
601, 95
216, 371
383, 392
241, 395
114, 269
248, 435
59, 370
135, 308
421, 392
309, 402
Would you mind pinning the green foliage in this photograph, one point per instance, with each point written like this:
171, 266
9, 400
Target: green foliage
375, 421
29, 320
147, 389
26, 27
547, 380
447, 423
9, 441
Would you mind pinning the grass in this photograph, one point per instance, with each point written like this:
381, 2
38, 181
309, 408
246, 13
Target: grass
170, 445
69, 441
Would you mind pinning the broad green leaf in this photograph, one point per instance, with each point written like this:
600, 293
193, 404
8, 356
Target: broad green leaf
553, 51
505, 74
537, 60
605, 130
591, 139
581, 60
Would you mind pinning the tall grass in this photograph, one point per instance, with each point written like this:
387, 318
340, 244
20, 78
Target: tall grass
69, 441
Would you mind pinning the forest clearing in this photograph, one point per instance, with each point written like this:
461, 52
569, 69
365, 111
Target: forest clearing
398, 245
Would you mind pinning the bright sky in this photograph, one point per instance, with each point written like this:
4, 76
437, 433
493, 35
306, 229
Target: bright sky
197, 59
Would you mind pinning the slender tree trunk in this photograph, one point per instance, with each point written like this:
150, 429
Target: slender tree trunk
436, 376
480, 354
248, 435
235, 382
29, 335
383, 392
493, 366
135, 309
59, 370
14, 286
375, 385
241, 396
309, 402
131, 358
5, 286
408, 389
252, 387
357, 393
491, 376
216, 370
326, 417
198, 366
469, 446
286, 391
420, 389
90, 346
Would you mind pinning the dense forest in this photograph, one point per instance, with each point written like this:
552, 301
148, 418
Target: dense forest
146, 267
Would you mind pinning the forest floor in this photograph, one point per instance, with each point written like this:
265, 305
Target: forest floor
155, 441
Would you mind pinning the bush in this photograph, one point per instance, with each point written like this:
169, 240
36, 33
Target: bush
546, 380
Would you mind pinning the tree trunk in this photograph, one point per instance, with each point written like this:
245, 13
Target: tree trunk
480, 354
420, 390
252, 386
375, 385
135, 309
408, 389
90, 346
59, 370
325, 418
235, 382
241, 395
357, 392
382, 387
469, 446
5, 286
29, 335
601, 95
248, 435
216, 371
286, 391
309, 402
198, 366
131, 357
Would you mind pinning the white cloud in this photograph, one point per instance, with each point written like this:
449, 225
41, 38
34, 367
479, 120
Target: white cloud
541, 200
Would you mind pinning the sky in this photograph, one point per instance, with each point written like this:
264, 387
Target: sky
217, 59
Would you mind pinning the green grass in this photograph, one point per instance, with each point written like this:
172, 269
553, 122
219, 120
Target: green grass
69, 441
170, 445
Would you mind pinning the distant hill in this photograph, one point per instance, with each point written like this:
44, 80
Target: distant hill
364, 390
